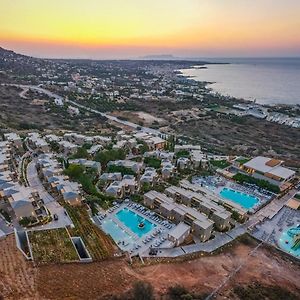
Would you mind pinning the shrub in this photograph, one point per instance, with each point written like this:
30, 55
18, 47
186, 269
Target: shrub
222, 164
107, 155
183, 153
143, 291
241, 178
152, 162
258, 291
27, 221
120, 169
5, 215
80, 153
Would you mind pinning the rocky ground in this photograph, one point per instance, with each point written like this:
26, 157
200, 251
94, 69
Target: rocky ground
20, 280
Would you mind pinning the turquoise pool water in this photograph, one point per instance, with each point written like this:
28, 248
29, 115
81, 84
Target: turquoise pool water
117, 233
245, 200
131, 220
286, 243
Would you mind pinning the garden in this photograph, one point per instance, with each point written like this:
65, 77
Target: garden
99, 245
52, 246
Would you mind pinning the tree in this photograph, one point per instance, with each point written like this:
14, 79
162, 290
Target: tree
74, 171
142, 291
152, 162
177, 292
235, 215
81, 153
143, 147
54, 146
120, 169
108, 155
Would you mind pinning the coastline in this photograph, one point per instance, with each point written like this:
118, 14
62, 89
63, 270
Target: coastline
215, 91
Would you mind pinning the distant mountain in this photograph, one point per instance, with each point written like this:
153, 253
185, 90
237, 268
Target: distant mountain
159, 57
5, 53
169, 57
19, 64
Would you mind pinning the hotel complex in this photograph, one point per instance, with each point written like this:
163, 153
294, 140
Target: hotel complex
269, 169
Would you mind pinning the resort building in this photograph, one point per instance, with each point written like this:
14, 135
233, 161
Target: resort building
150, 176
198, 159
179, 233
268, 169
67, 148
72, 137
88, 164
5, 158
188, 148
20, 201
52, 174
127, 186
94, 149
200, 225
130, 164
120, 145
201, 202
183, 163
102, 140
163, 155
14, 139
167, 169
213, 198
52, 138
153, 142
37, 142
110, 177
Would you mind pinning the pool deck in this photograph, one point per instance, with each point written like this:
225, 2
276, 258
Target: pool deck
216, 184
137, 247
258, 225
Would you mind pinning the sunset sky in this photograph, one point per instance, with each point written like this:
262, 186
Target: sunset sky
132, 28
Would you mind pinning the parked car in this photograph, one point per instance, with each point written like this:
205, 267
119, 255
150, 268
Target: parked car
55, 217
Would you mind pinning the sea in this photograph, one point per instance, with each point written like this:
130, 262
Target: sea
268, 81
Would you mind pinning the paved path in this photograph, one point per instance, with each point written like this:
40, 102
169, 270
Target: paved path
4, 228
52, 205
220, 240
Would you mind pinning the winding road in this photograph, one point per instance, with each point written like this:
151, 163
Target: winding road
110, 117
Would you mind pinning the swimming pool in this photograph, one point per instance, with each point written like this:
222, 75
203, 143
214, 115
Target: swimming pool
120, 236
286, 242
131, 220
245, 200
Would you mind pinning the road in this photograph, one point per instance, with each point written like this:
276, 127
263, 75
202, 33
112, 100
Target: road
52, 205
112, 118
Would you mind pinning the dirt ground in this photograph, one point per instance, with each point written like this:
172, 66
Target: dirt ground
20, 280
17, 276
21, 113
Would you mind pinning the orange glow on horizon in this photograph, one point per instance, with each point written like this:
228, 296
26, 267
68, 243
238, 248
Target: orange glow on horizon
193, 25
